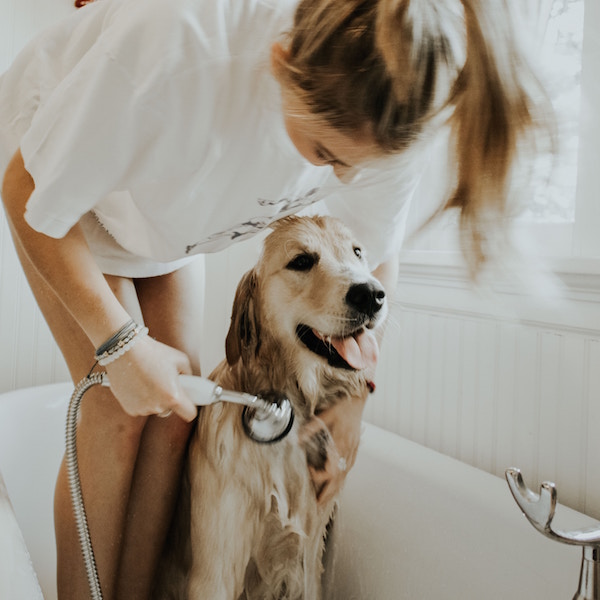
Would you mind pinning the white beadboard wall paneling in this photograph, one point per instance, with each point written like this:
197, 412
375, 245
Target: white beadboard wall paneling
485, 444
420, 366
432, 414
451, 390
570, 447
525, 403
592, 428
505, 387
497, 388
467, 449
549, 396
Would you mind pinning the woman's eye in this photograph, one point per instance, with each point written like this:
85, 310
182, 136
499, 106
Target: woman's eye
303, 262
325, 159
358, 251
320, 155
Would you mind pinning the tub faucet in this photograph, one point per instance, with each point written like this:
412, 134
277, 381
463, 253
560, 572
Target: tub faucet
539, 510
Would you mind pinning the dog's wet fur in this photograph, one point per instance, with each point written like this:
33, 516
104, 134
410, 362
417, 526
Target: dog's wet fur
248, 525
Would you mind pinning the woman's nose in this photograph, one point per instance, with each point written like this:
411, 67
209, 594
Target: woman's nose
345, 174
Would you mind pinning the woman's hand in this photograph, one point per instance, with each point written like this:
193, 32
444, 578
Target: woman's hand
331, 440
145, 380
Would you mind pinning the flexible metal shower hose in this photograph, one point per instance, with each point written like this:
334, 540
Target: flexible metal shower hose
265, 420
75, 482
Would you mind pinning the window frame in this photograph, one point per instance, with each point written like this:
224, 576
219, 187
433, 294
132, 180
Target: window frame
566, 246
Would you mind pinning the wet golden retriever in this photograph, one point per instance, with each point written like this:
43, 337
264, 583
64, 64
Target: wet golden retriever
249, 525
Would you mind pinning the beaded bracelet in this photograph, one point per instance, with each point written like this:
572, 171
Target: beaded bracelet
111, 341
119, 343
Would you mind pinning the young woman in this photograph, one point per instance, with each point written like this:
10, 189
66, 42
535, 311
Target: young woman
137, 134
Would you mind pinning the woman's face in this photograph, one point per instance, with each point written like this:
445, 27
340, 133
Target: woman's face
324, 145
317, 142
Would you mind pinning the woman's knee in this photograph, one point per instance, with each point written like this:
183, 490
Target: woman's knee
174, 432
103, 418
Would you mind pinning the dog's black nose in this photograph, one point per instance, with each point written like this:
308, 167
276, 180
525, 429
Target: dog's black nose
368, 298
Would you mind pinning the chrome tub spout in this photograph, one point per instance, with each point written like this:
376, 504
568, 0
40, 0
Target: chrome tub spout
539, 510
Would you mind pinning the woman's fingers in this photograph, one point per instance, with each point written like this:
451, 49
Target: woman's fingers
181, 406
331, 443
329, 481
145, 381
327, 467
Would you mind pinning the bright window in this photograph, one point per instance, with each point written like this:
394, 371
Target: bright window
562, 215
560, 61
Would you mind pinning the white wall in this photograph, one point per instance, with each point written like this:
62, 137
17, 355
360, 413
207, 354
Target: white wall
497, 382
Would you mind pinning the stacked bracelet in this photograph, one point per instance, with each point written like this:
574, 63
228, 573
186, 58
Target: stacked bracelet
122, 341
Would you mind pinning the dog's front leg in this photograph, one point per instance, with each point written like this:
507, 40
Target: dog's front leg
223, 517
221, 547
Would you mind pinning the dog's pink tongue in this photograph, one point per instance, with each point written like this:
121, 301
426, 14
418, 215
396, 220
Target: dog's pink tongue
360, 351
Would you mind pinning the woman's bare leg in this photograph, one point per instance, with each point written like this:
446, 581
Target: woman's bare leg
109, 445
107, 442
173, 312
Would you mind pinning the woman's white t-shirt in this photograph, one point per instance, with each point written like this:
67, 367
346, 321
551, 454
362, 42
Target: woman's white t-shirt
162, 120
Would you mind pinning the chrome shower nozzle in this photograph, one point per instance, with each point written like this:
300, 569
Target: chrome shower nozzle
269, 418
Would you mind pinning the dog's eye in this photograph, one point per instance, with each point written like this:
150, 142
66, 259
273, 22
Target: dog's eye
303, 262
358, 251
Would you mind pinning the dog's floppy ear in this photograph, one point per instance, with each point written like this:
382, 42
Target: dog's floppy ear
244, 330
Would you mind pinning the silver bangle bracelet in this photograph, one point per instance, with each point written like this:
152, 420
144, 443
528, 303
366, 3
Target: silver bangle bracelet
116, 337
120, 343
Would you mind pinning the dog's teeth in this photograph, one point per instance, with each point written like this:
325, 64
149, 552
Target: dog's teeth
323, 337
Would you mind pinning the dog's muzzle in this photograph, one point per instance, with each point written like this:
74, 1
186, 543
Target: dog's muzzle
357, 349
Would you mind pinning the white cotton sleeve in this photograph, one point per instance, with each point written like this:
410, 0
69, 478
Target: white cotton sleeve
92, 134
376, 206
380, 233
125, 112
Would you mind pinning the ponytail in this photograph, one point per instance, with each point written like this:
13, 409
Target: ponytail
490, 99
493, 113
421, 43
397, 68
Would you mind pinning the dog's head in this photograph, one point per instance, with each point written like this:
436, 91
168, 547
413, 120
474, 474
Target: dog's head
310, 302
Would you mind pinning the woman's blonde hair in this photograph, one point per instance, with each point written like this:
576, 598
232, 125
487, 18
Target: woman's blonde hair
391, 66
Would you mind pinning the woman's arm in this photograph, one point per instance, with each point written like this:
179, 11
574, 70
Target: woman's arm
146, 382
66, 264
344, 419
387, 273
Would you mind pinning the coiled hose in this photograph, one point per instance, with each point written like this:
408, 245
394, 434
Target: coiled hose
75, 483
266, 419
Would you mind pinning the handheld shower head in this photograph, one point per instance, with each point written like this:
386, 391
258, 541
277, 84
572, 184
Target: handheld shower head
270, 419
267, 417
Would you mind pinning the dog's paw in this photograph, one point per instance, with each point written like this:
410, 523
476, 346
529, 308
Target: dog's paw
326, 467
316, 441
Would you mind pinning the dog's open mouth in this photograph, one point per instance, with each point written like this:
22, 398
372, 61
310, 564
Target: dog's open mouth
356, 351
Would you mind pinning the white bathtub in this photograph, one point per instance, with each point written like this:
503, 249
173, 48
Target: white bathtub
413, 524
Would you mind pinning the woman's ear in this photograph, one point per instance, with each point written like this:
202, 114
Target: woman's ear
279, 56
